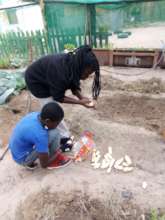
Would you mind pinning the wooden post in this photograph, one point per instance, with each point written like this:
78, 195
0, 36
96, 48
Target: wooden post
111, 57
42, 6
155, 60
92, 24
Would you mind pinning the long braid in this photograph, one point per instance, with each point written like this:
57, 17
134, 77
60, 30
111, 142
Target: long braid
96, 87
80, 59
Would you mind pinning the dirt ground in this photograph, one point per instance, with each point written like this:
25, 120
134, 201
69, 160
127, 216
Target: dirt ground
130, 118
151, 36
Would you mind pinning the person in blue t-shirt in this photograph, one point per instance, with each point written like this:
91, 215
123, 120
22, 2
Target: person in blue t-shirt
36, 137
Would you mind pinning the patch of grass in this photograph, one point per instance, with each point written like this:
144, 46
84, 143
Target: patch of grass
4, 63
156, 216
8, 62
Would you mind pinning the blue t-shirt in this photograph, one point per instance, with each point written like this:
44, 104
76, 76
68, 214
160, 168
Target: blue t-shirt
29, 134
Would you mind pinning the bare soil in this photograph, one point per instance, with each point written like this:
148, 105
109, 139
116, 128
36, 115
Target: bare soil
134, 110
130, 121
142, 37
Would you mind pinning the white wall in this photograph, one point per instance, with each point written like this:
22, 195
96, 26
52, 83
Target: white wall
3, 21
29, 18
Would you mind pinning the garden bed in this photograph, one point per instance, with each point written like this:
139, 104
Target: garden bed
128, 57
130, 123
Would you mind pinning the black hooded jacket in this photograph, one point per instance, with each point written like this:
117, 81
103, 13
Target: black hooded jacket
50, 75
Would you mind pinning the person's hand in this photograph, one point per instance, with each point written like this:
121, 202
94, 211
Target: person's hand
86, 99
88, 103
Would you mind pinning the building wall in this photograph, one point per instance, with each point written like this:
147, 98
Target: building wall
27, 18
3, 21
30, 18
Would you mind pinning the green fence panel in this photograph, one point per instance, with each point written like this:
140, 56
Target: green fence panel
22, 44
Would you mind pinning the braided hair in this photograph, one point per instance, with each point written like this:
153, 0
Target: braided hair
80, 59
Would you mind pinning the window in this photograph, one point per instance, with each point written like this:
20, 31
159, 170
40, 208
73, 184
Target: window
12, 17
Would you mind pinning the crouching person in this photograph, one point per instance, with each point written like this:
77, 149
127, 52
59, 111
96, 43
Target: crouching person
36, 137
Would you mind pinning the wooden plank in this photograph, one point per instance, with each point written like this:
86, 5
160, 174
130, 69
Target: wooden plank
157, 52
38, 44
3, 47
26, 45
50, 42
6, 44
106, 39
100, 40
34, 46
45, 42
111, 57
62, 40
80, 41
133, 53
54, 40
15, 44
21, 44
95, 40
41, 40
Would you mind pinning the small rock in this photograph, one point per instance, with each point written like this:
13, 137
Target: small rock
142, 217
127, 194
144, 185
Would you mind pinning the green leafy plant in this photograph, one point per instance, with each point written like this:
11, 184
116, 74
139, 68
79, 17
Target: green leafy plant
16, 62
69, 47
103, 28
155, 216
4, 63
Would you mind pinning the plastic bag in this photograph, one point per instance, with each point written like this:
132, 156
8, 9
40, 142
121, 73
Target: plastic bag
84, 146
